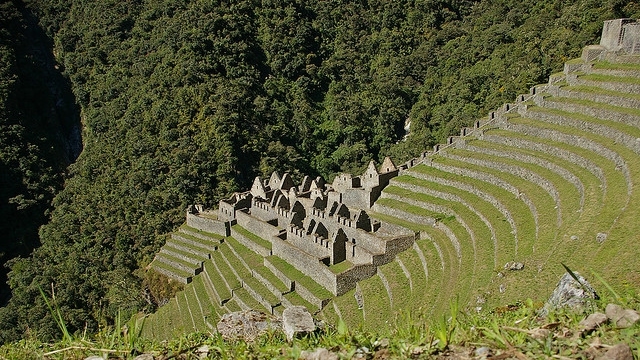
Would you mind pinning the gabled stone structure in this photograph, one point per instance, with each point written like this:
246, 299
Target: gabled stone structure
322, 230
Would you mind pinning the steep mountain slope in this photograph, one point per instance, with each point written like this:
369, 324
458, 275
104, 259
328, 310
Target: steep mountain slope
186, 102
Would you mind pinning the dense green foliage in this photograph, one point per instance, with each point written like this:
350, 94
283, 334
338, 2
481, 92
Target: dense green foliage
185, 102
37, 123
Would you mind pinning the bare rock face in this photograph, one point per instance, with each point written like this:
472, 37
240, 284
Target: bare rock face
570, 293
621, 317
297, 320
246, 325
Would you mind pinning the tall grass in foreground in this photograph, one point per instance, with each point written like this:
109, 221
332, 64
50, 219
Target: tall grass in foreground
515, 330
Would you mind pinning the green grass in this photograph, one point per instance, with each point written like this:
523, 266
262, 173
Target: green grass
244, 296
178, 261
523, 218
236, 266
623, 227
624, 128
611, 78
377, 306
271, 278
295, 299
194, 305
504, 239
615, 66
232, 306
193, 242
600, 91
252, 237
411, 209
340, 267
507, 331
210, 309
202, 232
399, 283
196, 257
295, 275
177, 271
221, 275
596, 105
569, 196
258, 287
593, 188
252, 259
348, 306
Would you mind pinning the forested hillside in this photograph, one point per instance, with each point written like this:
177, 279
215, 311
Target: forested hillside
39, 132
184, 102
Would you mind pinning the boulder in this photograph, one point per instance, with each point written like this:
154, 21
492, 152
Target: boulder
618, 352
246, 325
593, 321
621, 317
514, 266
297, 320
570, 294
318, 354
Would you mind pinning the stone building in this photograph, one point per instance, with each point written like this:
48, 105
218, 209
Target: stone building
322, 230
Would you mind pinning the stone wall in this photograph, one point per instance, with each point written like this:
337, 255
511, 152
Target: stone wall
209, 225
305, 263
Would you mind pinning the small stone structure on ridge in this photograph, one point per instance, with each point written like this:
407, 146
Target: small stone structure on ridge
322, 230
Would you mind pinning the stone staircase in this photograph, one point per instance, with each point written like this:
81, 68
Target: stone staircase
547, 179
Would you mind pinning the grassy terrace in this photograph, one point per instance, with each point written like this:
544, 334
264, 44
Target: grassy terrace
295, 299
251, 236
258, 287
594, 190
596, 217
610, 78
522, 216
243, 295
195, 243
600, 91
505, 240
624, 128
271, 278
210, 309
543, 202
183, 308
170, 268
605, 65
377, 307
250, 258
232, 306
195, 308
221, 275
348, 307
176, 261
622, 227
204, 234
399, 284
478, 259
569, 196
193, 257
420, 280
596, 105
236, 266
444, 280
483, 247
295, 275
